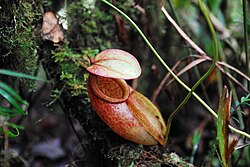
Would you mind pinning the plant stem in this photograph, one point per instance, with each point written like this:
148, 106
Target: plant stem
6, 146
215, 43
244, 6
189, 52
169, 70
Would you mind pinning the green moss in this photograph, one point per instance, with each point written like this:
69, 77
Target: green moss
71, 67
86, 27
17, 37
85, 36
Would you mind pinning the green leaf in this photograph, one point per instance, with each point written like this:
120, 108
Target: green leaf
12, 92
14, 132
7, 112
245, 99
195, 143
196, 139
20, 75
15, 101
115, 63
12, 101
91, 53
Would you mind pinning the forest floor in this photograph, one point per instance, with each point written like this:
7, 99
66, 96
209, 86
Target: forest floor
47, 139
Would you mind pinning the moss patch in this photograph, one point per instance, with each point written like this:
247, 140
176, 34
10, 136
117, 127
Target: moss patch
17, 37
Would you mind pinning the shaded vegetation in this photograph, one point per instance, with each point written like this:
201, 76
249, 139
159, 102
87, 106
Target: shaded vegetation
92, 27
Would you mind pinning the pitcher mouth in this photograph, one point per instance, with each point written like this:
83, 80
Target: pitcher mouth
111, 90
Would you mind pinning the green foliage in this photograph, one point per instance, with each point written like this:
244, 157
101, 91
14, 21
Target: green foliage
12, 104
182, 4
195, 143
13, 99
242, 160
20, 75
215, 7
90, 53
245, 100
71, 66
212, 156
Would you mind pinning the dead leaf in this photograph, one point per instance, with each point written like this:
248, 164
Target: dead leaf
188, 67
51, 29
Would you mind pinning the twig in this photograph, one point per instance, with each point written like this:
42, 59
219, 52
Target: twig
188, 67
232, 79
163, 82
181, 32
219, 65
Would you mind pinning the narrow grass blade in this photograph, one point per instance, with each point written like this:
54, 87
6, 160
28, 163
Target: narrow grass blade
14, 132
12, 92
20, 75
188, 67
12, 101
7, 112
195, 143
